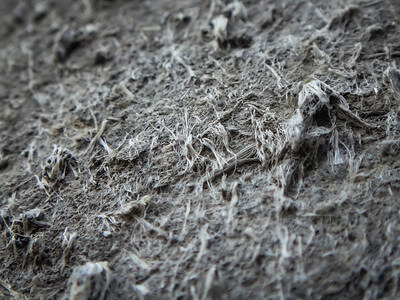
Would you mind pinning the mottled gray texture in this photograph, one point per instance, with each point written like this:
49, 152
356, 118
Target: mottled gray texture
199, 149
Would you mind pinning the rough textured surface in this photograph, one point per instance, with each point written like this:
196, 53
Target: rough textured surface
199, 149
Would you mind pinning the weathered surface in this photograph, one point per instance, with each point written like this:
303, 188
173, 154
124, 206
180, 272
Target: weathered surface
199, 149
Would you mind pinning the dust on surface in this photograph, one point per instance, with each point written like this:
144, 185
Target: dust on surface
199, 149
